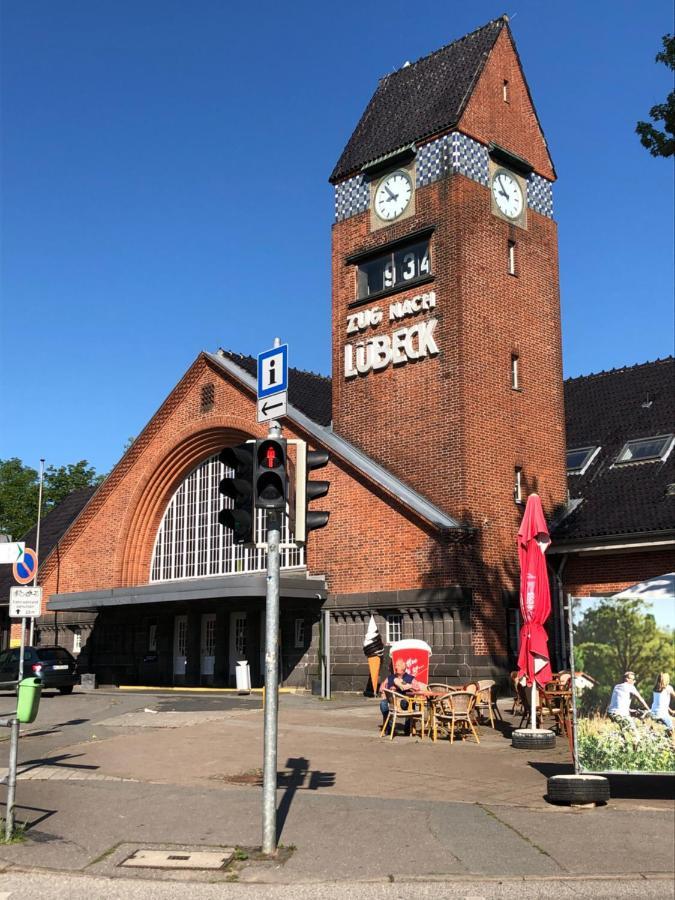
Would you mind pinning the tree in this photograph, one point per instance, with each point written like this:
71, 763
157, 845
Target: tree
661, 143
620, 636
18, 497
19, 491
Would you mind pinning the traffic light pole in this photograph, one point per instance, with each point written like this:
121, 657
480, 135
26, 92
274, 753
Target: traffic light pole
269, 841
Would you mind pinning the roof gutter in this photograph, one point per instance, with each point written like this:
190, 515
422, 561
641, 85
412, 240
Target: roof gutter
613, 543
352, 456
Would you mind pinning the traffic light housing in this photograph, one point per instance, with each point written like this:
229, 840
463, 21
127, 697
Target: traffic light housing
239, 488
307, 520
270, 477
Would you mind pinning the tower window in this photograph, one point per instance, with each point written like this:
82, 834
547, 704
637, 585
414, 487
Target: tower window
505, 91
511, 258
515, 372
518, 484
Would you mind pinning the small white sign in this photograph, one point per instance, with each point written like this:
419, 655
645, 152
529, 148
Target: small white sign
25, 602
12, 551
272, 407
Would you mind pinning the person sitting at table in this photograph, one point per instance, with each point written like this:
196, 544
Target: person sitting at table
619, 705
664, 695
403, 683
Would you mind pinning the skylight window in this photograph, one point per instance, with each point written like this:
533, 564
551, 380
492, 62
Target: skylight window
644, 449
579, 460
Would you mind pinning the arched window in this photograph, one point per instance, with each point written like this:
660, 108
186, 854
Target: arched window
191, 543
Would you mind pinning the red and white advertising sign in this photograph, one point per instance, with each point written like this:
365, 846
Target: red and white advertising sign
416, 655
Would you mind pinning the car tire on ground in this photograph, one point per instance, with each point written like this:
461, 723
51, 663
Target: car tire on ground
578, 789
66, 690
533, 739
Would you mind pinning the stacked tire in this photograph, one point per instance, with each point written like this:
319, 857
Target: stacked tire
578, 789
533, 739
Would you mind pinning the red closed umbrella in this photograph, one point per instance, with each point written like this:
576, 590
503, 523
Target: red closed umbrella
535, 598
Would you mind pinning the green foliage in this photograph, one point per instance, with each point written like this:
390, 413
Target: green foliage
661, 143
19, 491
605, 746
615, 637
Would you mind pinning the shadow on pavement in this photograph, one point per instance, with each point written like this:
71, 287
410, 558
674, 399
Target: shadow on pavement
294, 780
621, 787
29, 822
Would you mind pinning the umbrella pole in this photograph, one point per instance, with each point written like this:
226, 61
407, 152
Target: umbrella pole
533, 706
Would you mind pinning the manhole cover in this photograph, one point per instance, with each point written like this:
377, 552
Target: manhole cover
180, 859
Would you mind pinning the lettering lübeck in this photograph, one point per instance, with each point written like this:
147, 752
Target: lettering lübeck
415, 342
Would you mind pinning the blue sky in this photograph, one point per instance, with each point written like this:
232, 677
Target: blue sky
164, 188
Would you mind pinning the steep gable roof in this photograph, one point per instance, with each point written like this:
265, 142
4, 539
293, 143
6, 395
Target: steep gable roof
606, 410
309, 392
419, 100
52, 528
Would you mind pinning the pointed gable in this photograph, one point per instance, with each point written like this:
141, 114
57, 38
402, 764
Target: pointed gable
419, 100
512, 122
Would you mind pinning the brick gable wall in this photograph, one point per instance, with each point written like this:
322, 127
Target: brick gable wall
513, 125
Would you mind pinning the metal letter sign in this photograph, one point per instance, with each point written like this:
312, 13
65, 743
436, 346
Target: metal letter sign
272, 383
24, 568
25, 602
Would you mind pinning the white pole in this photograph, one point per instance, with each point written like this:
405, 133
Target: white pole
37, 544
533, 706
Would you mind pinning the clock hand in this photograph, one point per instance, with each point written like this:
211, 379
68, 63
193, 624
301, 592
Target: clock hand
391, 196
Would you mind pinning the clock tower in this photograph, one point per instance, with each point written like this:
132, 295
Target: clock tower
446, 323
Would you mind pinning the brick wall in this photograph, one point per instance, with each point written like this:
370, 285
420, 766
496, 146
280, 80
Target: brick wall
609, 573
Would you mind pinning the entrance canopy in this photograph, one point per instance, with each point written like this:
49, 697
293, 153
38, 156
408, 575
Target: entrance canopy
297, 586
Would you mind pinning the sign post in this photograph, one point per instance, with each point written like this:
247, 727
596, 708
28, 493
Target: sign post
272, 387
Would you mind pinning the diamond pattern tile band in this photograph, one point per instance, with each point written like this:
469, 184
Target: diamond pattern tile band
450, 153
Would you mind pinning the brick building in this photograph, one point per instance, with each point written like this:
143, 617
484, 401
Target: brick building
445, 409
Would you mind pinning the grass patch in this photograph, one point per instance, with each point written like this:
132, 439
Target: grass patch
18, 835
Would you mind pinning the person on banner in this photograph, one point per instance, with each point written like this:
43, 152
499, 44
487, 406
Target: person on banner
664, 695
619, 704
402, 682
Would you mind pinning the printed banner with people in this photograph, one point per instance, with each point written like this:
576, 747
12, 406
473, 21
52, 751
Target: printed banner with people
624, 659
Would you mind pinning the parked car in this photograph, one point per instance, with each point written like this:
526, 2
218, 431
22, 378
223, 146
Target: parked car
54, 666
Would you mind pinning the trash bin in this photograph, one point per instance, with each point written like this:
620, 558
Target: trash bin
28, 703
88, 681
243, 675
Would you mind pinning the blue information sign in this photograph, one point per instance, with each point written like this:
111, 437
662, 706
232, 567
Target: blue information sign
273, 371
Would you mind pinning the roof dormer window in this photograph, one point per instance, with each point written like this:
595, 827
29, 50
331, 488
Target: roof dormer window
579, 460
646, 449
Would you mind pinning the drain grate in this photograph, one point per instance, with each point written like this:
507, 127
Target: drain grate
180, 859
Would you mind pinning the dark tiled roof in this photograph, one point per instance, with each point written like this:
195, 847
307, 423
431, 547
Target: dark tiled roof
307, 391
52, 528
419, 100
607, 410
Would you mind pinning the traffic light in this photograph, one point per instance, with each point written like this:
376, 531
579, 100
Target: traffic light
270, 478
239, 488
307, 520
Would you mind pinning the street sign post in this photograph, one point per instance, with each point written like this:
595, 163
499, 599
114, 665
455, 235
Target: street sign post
25, 602
11, 551
24, 569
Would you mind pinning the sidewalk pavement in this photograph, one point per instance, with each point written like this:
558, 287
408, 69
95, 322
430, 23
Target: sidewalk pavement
353, 806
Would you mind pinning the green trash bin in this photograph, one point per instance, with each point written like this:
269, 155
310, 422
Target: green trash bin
28, 703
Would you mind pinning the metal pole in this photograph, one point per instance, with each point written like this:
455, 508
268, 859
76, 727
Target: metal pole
326, 652
37, 543
21, 650
271, 713
11, 778
533, 705
573, 671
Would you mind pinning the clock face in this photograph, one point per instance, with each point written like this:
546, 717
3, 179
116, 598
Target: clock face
507, 194
392, 196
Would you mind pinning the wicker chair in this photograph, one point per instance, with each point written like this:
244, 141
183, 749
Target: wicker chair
405, 708
486, 701
517, 699
454, 711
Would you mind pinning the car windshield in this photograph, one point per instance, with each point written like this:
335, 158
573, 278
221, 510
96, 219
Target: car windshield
54, 654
